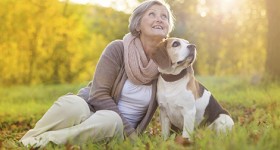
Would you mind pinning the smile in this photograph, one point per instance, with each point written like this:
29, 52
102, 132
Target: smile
157, 27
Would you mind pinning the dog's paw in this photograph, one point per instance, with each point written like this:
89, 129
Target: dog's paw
183, 141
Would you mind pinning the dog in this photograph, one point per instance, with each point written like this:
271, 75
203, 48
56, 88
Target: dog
184, 103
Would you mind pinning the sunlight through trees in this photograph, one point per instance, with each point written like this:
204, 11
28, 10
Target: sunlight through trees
57, 42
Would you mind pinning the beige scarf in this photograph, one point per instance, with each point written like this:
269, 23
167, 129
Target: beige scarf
138, 68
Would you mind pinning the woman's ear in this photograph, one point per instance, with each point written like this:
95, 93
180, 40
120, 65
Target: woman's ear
138, 28
160, 55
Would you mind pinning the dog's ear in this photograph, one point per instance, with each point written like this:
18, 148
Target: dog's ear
160, 55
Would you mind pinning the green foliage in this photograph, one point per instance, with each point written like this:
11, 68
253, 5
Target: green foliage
60, 42
230, 34
108, 22
254, 109
53, 42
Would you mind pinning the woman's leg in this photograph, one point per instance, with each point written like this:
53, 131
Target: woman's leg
67, 111
102, 125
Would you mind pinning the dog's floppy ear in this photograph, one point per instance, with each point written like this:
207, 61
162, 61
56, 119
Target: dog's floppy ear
160, 55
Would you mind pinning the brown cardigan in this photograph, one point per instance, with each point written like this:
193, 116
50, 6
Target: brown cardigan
108, 81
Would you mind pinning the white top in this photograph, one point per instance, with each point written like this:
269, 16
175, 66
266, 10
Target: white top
134, 101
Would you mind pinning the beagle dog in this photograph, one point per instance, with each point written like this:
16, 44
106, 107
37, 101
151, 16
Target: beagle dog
185, 103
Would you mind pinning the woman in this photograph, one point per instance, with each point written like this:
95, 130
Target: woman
120, 101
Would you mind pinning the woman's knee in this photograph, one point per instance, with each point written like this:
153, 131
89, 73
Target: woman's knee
74, 107
111, 115
113, 119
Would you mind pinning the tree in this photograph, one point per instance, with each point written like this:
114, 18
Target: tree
229, 35
273, 45
54, 42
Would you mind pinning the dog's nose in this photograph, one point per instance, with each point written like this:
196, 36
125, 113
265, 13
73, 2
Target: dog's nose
191, 47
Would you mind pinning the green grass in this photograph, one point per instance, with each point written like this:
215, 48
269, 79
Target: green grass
254, 108
30, 100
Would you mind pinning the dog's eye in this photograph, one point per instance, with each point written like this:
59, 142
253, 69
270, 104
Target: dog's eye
176, 44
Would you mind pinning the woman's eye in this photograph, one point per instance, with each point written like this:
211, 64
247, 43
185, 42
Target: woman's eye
151, 14
164, 17
176, 44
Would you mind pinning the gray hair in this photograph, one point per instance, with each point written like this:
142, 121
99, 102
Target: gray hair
137, 14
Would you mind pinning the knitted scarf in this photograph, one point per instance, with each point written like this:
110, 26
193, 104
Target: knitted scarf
138, 68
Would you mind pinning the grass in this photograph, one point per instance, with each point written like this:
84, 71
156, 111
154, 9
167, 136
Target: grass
254, 108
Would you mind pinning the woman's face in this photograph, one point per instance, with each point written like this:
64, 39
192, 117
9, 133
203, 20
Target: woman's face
154, 23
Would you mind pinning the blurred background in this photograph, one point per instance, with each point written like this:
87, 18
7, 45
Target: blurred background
60, 41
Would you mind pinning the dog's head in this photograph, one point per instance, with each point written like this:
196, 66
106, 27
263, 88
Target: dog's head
173, 55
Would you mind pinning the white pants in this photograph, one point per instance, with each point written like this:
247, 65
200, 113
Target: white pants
69, 120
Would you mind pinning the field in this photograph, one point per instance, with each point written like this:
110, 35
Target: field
253, 106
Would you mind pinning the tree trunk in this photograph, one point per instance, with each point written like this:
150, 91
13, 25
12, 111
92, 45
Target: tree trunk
272, 65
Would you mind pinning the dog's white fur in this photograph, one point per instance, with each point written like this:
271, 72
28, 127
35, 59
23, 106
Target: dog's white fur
183, 101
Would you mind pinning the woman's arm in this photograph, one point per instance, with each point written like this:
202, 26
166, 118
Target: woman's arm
107, 70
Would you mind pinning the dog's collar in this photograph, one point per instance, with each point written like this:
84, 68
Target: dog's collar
172, 78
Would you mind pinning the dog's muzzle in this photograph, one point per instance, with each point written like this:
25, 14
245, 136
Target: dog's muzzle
191, 56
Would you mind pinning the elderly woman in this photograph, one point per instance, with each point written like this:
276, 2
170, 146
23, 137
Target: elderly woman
121, 99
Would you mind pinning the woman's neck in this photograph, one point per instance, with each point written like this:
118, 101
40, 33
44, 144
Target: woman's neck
149, 44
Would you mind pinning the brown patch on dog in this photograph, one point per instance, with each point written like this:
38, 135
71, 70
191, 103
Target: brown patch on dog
160, 56
193, 85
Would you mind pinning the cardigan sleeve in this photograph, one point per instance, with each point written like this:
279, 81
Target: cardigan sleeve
106, 73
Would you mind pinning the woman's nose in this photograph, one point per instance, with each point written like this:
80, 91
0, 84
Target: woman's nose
158, 19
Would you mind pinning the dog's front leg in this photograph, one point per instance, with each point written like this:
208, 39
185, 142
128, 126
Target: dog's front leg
165, 123
189, 121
